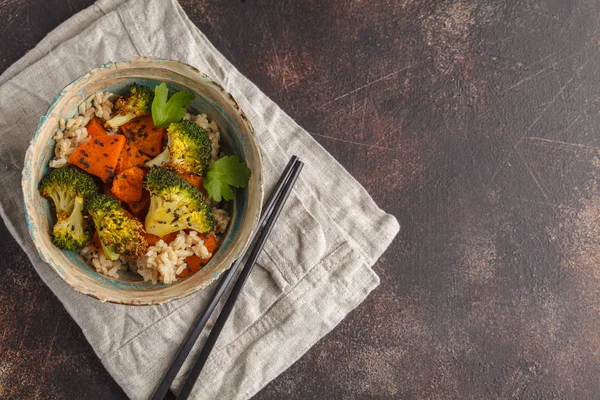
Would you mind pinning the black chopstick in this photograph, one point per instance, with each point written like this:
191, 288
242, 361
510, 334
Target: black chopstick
200, 322
239, 284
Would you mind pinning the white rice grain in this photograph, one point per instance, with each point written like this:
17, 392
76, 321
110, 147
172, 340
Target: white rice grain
163, 261
58, 163
222, 219
213, 132
72, 132
102, 264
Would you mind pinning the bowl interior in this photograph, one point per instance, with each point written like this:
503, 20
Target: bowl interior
237, 137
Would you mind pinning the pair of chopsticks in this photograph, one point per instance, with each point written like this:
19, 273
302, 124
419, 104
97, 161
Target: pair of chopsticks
269, 216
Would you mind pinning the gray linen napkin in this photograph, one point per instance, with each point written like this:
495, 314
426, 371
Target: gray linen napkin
315, 269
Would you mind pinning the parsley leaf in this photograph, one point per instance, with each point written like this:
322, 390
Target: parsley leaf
164, 112
224, 173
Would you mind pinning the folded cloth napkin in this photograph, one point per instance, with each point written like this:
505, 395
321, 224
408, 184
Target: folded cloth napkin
314, 270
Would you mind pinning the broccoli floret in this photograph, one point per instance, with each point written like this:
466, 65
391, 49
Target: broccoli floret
139, 102
124, 234
67, 188
98, 206
74, 232
62, 185
188, 149
120, 234
175, 204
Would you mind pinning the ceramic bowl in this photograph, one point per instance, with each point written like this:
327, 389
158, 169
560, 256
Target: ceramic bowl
237, 137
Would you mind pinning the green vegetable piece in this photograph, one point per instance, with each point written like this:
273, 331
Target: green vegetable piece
62, 185
164, 112
67, 188
188, 149
124, 234
175, 204
119, 233
98, 206
138, 103
74, 232
224, 173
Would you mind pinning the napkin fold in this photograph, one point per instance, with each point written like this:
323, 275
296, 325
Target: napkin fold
314, 270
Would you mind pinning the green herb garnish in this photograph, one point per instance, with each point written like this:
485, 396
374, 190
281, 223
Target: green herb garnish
164, 112
224, 173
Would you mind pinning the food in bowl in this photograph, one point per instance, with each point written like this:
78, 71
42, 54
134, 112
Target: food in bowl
139, 183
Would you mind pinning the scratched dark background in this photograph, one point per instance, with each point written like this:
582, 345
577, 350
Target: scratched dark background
474, 122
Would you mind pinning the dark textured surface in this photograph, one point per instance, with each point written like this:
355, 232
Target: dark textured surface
474, 122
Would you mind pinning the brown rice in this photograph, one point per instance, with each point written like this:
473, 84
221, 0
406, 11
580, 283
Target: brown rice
163, 262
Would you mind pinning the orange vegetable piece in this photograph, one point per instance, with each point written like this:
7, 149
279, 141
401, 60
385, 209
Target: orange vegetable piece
131, 157
169, 237
194, 180
127, 186
151, 239
210, 242
95, 128
99, 156
95, 242
147, 137
106, 188
140, 208
194, 264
